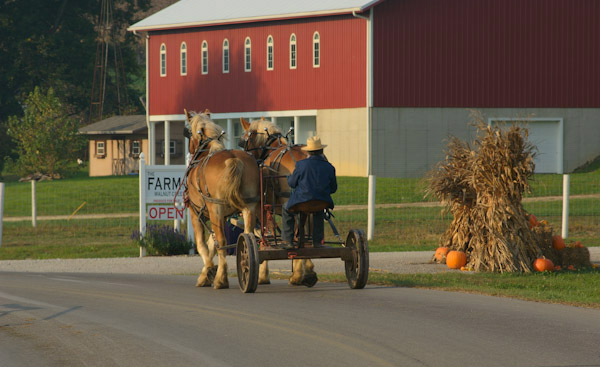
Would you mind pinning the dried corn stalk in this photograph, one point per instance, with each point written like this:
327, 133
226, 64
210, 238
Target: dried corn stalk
483, 187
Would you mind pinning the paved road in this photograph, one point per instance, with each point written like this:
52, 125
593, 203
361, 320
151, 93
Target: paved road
77, 319
383, 262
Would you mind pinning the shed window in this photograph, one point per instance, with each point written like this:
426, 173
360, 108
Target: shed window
100, 149
225, 56
136, 147
163, 60
270, 53
293, 51
316, 50
183, 54
204, 57
247, 55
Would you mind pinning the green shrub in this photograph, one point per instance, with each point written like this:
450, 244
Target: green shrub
162, 240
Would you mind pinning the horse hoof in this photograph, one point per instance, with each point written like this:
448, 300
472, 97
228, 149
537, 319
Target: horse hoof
222, 285
211, 273
310, 280
203, 281
295, 281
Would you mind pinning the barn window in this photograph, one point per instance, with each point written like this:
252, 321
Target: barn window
225, 56
316, 50
270, 53
100, 149
163, 60
293, 51
183, 58
204, 57
247, 55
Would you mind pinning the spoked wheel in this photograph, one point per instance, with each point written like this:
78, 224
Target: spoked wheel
357, 269
247, 262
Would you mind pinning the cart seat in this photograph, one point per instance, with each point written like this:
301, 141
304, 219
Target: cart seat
305, 209
312, 206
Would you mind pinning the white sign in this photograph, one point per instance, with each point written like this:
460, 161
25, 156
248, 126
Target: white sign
161, 184
165, 212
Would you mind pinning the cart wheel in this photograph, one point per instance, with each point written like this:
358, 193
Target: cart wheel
247, 262
357, 270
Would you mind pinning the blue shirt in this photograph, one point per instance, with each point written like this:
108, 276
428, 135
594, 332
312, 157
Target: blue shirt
312, 179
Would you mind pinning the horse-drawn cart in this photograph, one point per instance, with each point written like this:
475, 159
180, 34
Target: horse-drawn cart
354, 252
251, 252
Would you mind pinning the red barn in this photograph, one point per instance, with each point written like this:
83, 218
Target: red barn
385, 82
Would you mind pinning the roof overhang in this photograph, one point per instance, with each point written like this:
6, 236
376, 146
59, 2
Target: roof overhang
142, 26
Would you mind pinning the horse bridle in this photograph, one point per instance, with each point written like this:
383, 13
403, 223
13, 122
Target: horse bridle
264, 149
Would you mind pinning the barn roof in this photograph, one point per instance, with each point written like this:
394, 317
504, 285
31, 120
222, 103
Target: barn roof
196, 13
116, 125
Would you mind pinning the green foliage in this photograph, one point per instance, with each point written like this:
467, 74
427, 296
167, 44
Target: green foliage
46, 136
162, 240
52, 43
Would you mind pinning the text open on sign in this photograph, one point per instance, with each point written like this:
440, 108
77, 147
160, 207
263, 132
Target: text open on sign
164, 212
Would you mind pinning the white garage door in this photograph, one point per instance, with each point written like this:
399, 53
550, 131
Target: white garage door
547, 135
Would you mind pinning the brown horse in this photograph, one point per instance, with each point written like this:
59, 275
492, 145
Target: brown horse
215, 191
266, 142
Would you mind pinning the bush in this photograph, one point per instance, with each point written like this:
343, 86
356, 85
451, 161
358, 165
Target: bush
162, 240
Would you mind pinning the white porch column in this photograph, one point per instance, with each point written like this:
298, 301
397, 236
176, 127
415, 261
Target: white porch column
296, 129
167, 143
152, 143
230, 134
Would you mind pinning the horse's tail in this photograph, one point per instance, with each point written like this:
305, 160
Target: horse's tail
232, 182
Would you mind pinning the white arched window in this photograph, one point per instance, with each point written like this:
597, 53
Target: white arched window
163, 60
316, 50
225, 56
183, 59
293, 51
270, 53
247, 54
204, 57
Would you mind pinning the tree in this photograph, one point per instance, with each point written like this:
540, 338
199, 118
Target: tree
46, 135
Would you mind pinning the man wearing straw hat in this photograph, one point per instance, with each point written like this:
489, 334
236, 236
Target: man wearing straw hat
312, 179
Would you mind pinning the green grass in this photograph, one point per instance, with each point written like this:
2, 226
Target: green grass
578, 288
411, 228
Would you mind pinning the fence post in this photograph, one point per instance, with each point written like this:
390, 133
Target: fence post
142, 177
1, 209
33, 204
371, 208
189, 227
565, 208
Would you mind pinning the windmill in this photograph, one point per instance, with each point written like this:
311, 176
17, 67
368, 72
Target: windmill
108, 64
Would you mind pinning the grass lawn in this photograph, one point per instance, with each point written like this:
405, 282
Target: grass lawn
412, 228
577, 288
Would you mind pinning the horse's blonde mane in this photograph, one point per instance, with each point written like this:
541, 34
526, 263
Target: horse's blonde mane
259, 127
202, 124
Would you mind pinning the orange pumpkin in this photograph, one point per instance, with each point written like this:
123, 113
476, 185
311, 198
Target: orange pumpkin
456, 259
533, 222
558, 242
542, 264
441, 252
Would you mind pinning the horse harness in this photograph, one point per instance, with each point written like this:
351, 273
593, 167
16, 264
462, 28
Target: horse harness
198, 160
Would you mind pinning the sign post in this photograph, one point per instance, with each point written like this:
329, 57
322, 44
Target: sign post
158, 186
1, 209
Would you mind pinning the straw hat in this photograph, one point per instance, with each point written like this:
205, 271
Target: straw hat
313, 143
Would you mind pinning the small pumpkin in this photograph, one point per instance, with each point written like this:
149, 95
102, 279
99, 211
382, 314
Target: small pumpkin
456, 259
558, 242
533, 222
542, 264
441, 253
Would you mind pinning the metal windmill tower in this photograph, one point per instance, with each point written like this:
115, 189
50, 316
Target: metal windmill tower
108, 64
